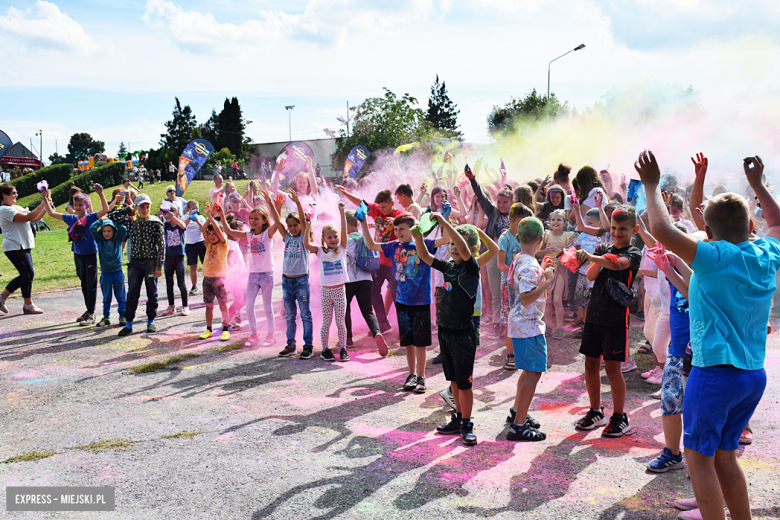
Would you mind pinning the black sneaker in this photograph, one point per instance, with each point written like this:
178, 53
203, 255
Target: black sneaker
436, 360
123, 321
105, 322
343, 356
327, 355
411, 382
88, 320
528, 419
125, 331
592, 420
307, 352
618, 426
420, 387
467, 433
524, 432
194, 290
450, 428
83, 317
288, 351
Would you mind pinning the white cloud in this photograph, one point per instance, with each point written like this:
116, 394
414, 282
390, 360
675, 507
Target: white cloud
47, 28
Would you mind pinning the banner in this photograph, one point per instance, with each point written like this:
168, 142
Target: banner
5, 143
295, 155
192, 158
355, 161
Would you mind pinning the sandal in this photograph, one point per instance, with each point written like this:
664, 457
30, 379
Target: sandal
524, 432
647, 348
747, 436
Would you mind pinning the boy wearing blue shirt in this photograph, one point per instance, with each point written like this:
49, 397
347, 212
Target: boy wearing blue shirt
109, 238
730, 295
84, 246
413, 298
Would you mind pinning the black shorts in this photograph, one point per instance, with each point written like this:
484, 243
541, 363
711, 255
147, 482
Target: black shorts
609, 342
414, 324
458, 350
214, 288
195, 251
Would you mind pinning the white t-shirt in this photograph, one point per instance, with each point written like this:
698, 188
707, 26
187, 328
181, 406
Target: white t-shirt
16, 235
651, 284
261, 252
591, 200
333, 267
192, 233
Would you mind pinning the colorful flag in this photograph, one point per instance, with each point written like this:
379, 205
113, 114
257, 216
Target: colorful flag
355, 160
192, 158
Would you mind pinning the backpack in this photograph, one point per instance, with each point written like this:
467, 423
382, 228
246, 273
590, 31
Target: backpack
78, 229
366, 259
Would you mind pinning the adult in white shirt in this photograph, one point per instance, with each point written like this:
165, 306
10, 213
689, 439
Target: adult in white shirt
18, 242
180, 203
587, 184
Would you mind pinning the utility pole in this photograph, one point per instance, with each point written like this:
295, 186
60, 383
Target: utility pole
347, 118
289, 111
40, 149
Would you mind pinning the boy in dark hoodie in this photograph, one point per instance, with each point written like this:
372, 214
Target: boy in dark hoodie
109, 238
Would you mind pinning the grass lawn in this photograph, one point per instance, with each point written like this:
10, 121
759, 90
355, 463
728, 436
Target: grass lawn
52, 258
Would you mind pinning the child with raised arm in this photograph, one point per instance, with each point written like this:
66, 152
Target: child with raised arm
83, 246
528, 283
457, 335
109, 238
413, 299
333, 275
175, 228
613, 270
215, 270
727, 380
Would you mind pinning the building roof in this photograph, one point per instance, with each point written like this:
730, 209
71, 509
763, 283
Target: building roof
19, 150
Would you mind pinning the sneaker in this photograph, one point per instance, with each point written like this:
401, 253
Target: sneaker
686, 504
666, 462
194, 290
151, 327
524, 432
570, 317
640, 315
105, 322
307, 352
746, 438
206, 334
467, 433
509, 364
269, 341
288, 351
185, 311
650, 373
618, 426
123, 321
592, 420
437, 359
420, 387
343, 355
167, 312
628, 366
83, 317
410, 383
446, 394
603, 363
350, 343
693, 514
656, 394
452, 427
125, 331
3, 308
533, 423
234, 326
225, 336
327, 355
89, 320
559, 333
655, 379
381, 344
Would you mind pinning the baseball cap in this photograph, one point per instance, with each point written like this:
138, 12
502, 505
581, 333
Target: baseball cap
142, 199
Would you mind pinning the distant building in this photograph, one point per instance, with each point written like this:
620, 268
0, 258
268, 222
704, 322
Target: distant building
17, 159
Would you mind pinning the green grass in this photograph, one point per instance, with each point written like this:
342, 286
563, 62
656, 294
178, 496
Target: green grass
30, 456
182, 434
107, 445
236, 345
154, 367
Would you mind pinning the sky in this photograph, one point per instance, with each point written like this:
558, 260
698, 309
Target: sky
113, 68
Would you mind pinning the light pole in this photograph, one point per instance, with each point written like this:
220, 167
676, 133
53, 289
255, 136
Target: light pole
578, 47
289, 112
39, 133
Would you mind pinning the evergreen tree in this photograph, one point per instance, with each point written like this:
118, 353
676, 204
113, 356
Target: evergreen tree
210, 130
179, 129
120, 154
231, 129
442, 113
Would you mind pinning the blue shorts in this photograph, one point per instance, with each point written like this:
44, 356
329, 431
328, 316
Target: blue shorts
672, 386
718, 406
531, 353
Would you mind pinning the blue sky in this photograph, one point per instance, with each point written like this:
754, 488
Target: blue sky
113, 68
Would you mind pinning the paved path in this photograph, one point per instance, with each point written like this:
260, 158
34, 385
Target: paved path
286, 438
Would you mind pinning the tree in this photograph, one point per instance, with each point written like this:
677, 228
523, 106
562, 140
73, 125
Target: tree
179, 128
231, 129
533, 107
441, 111
382, 122
210, 129
122, 152
82, 146
56, 158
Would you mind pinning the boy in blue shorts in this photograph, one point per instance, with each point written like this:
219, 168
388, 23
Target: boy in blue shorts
528, 283
413, 298
730, 296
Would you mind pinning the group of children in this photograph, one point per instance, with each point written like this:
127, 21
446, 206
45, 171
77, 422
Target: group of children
724, 364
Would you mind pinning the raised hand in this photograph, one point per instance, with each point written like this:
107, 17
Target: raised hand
342, 189
280, 165
456, 190
575, 204
647, 168
424, 188
98, 188
599, 199
438, 216
700, 164
546, 181
754, 170
279, 202
623, 183
667, 196
294, 196
341, 207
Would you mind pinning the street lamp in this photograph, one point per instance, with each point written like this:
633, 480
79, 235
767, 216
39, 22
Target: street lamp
578, 47
289, 112
39, 133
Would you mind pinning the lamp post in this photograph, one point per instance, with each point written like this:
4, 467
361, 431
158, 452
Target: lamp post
289, 112
578, 47
39, 133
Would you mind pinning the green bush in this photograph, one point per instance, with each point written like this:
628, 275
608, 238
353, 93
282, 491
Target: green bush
107, 175
54, 175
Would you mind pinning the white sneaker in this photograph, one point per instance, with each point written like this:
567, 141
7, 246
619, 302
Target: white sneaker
656, 395
185, 311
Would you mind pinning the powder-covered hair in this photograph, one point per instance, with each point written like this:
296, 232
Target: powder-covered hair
530, 230
625, 214
519, 211
80, 197
469, 234
326, 229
